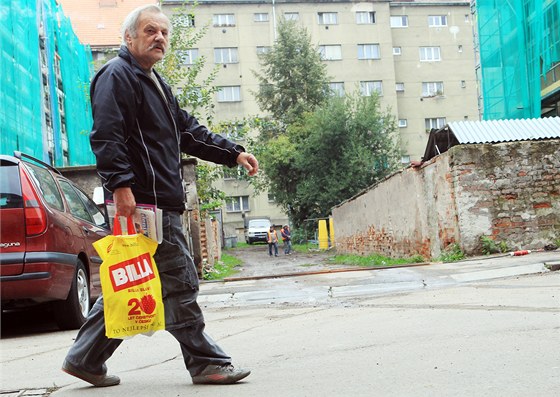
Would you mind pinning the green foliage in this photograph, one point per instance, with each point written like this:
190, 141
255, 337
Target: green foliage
195, 92
210, 197
293, 78
373, 260
333, 153
224, 268
452, 253
489, 246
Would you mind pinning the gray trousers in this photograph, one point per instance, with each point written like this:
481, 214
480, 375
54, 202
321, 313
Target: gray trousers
183, 316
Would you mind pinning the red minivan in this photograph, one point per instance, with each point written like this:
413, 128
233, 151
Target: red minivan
47, 227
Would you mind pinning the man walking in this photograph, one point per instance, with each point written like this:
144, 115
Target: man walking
138, 135
287, 239
272, 240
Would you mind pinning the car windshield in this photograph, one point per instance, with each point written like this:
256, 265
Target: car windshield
259, 223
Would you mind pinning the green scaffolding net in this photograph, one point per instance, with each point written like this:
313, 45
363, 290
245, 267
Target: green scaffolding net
44, 101
519, 41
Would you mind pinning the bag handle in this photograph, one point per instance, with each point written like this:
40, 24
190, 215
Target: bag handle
117, 229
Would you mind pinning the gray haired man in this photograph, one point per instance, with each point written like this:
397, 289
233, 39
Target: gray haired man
138, 135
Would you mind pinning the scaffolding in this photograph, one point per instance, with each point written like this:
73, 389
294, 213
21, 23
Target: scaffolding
519, 42
44, 86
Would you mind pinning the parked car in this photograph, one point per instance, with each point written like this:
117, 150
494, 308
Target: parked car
47, 227
257, 230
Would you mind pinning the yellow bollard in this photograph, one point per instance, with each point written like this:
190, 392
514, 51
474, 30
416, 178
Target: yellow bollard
323, 236
331, 230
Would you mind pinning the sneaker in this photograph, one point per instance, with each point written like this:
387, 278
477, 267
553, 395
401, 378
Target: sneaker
220, 375
96, 380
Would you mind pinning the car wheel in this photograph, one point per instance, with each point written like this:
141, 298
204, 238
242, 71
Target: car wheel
72, 312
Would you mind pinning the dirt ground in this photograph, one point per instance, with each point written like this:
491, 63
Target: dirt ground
257, 262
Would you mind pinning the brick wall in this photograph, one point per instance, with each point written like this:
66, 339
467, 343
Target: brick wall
509, 192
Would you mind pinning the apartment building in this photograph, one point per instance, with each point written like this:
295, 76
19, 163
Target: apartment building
417, 54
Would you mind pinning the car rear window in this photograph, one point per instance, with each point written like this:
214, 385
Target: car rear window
10, 186
46, 185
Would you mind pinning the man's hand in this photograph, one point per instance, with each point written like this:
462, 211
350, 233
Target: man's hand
249, 162
124, 201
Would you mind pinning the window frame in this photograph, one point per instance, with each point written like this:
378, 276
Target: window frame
432, 88
437, 21
239, 206
188, 57
260, 18
337, 88
439, 122
227, 55
363, 50
369, 18
235, 94
325, 18
431, 51
403, 21
229, 20
370, 86
323, 50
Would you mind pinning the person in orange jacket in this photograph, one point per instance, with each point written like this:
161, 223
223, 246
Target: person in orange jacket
272, 240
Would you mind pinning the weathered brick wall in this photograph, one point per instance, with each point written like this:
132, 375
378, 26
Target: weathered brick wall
509, 192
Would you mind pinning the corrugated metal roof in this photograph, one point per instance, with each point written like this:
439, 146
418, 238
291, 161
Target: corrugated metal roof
492, 131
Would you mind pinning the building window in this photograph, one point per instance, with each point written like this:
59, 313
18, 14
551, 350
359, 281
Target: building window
327, 18
337, 88
463, 83
271, 198
460, 48
291, 16
368, 51
367, 88
432, 88
260, 17
330, 52
403, 123
397, 51
185, 21
430, 54
437, 21
399, 87
229, 94
437, 123
225, 55
188, 57
365, 17
399, 21
237, 203
262, 50
223, 20
405, 159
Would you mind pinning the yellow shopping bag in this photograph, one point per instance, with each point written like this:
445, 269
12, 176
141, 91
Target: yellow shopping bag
132, 299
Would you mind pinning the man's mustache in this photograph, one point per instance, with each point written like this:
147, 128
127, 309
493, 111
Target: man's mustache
161, 47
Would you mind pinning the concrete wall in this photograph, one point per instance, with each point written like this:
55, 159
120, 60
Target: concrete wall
509, 192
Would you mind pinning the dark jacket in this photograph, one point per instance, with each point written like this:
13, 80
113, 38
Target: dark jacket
138, 137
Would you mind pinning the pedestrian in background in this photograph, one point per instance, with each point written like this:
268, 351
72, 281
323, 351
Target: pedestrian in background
287, 239
272, 240
139, 132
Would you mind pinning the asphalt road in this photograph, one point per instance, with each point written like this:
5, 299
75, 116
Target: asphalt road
485, 327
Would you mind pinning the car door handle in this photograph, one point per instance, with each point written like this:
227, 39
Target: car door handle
86, 230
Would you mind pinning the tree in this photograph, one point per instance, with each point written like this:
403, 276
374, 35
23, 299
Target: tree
293, 78
344, 146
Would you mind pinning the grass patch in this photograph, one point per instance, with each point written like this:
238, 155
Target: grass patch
373, 260
452, 253
224, 268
